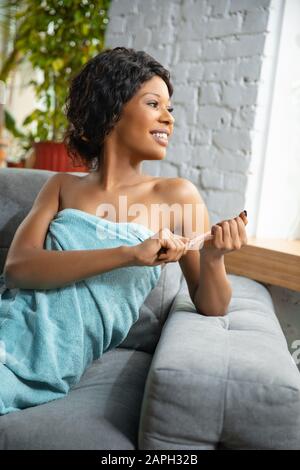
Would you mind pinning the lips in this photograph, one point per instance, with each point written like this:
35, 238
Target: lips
160, 141
165, 131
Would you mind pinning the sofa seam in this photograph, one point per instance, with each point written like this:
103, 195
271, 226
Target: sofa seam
163, 292
162, 297
153, 436
221, 428
154, 370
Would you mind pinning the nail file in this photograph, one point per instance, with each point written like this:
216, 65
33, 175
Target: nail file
200, 238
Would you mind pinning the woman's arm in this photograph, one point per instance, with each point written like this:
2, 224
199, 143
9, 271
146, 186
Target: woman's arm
29, 266
204, 269
214, 292
42, 269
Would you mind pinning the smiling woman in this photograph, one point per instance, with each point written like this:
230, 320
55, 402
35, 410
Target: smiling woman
57, 258
111, 111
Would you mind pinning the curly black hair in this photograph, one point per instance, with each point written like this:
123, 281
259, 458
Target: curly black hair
97, 95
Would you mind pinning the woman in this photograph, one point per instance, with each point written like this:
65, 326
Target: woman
70, 250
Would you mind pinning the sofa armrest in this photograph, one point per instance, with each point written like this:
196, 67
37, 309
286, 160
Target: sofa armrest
222, 382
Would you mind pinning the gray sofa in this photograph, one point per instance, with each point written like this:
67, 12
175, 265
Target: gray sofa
180, 380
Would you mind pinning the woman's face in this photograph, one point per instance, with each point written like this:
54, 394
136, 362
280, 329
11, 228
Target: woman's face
143, 114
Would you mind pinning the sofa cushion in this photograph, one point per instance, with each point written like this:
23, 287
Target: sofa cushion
101, 412
228, 382
145, 333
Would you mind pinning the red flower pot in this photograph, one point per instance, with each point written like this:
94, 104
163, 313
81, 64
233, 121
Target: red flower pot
53, 156
20, 164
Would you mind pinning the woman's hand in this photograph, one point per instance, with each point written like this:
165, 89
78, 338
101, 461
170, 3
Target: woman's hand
162, 247
229, 235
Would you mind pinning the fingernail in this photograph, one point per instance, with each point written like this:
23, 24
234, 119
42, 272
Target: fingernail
245, 212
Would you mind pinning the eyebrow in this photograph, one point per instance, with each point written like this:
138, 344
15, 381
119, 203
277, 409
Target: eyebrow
151, 93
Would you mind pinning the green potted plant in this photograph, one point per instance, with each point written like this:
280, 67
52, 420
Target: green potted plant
57, 37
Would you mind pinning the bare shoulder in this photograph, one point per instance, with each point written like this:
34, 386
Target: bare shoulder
68, 180
183, 192
179, 190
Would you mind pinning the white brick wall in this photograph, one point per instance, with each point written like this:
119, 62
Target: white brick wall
214, 50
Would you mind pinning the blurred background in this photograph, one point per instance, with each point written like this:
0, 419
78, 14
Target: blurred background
43, 44
235, 67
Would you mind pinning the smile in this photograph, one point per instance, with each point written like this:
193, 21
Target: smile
162, 139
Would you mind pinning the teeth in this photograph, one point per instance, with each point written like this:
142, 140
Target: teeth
161, 135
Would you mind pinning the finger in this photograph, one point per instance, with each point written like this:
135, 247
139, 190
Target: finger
243, 216
184, 243
241, 230
226, 234
183, 249
164, 246
176, 251
179, 246
180, 237
224, 231
234, 230
164, 233
167, 248
216, 231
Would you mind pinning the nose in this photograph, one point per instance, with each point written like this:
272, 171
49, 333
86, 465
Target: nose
167, 117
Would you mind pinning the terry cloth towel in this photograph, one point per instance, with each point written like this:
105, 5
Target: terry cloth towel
49, 337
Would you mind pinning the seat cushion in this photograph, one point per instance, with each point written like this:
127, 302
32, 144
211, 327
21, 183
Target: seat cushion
101, 412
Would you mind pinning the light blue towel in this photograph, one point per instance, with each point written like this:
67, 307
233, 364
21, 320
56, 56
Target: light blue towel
49, 337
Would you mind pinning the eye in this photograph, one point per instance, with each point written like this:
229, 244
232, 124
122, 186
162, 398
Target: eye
153, 102
169, 109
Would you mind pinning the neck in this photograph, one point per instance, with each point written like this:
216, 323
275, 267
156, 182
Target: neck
117, 171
